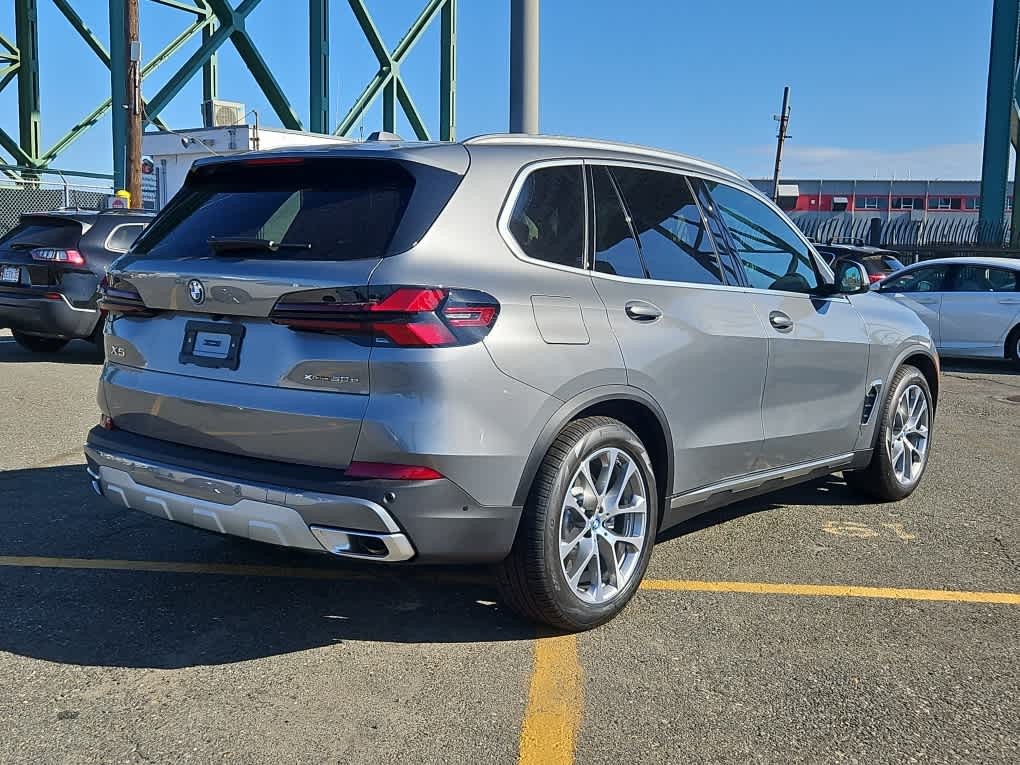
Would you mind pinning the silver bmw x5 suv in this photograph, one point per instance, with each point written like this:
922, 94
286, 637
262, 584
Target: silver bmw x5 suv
534, 352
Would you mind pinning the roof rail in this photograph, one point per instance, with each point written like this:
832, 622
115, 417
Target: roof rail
523, 139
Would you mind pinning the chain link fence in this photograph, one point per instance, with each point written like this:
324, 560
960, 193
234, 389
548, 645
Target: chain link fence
27, 190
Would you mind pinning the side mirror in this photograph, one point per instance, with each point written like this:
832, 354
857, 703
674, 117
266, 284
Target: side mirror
851, 278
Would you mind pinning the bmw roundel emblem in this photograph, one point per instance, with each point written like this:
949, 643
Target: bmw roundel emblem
196, 291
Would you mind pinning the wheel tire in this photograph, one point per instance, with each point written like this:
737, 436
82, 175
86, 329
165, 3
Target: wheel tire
879, 480
38, 343
532, 579
1013, 346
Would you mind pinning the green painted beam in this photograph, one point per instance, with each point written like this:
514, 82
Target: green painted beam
83, 30
448, 73
414, 34
26, 24
266, 81
411, 111
389, 108
197, 9
188, 70
11, 147
364, 102
211, 68
318, 66
1002, 67
372, 36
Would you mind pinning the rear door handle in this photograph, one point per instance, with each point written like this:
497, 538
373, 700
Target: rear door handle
1010, 301
638, 310
780, 321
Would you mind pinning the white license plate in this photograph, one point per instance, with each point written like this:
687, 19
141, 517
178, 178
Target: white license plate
10, 274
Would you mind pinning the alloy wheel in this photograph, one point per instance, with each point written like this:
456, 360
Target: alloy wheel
907, 437
603, 523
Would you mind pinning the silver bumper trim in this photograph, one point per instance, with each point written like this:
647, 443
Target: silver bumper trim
239, 509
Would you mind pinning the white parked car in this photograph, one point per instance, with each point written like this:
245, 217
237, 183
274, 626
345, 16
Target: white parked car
971, 305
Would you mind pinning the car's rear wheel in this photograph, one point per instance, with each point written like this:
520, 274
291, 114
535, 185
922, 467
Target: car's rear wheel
38, 343
1013, 346
904, 440
587, 530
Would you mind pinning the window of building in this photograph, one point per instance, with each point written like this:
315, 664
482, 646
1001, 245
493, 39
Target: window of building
616, 251
908, 203
548, 217
974, 203
675, 244
774, 256
839, 204
867, 203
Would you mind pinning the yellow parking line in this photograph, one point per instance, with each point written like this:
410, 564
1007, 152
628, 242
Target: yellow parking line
555, 704
832, 590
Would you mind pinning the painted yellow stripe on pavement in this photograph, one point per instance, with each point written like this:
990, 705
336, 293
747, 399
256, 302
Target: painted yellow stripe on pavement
555, 703
674, 585
832, 590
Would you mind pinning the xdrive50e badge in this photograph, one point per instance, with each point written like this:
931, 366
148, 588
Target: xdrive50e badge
196, 291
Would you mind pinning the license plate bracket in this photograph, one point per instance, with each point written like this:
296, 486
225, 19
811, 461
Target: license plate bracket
207, 344
10, 274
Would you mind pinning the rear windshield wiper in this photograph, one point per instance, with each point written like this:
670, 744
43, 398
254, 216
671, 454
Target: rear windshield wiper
224, 243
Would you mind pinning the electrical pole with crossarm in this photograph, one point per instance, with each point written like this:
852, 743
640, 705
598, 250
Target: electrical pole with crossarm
133, 89
784, 122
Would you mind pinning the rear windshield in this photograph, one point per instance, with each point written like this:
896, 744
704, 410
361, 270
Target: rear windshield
881, 264
43, 232
318, 210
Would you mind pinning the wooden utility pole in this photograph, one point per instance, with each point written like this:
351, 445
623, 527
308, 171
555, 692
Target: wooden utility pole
784, 122
133, 88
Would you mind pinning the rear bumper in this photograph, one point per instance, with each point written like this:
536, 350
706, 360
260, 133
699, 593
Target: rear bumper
27, 310
293, 506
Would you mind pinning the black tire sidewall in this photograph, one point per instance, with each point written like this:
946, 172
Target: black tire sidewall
574, 610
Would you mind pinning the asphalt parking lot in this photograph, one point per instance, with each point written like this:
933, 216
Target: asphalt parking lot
822, 630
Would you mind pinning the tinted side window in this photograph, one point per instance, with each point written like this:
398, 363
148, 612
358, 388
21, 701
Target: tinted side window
774, 257
675, 245
927, 279
722, 244
548, 216
616, 251
982, 279
123, 236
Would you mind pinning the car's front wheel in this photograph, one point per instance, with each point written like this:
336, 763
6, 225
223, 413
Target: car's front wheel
38, 343
904, 440
587, 531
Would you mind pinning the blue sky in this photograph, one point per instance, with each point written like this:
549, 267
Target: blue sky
879, 88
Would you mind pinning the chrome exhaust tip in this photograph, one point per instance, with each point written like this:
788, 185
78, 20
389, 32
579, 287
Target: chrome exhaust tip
364, 545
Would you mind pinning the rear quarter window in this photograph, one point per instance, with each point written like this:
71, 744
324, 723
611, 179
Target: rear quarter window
547, 220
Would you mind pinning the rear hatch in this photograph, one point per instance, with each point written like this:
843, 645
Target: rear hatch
39, 251
216, 340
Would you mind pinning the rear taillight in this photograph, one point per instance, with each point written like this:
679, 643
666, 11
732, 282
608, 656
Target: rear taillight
391, 472
408, 317
52, 255
118, 296
876, 277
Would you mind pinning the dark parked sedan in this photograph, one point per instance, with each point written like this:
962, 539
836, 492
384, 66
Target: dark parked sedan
50, 268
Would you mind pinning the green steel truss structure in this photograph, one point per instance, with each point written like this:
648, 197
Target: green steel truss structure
218, 21
1002, 122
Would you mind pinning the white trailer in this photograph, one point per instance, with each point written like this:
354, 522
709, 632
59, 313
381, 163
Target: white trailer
172, 154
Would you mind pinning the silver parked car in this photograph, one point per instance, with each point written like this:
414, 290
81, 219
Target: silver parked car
971, 305
529, 351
